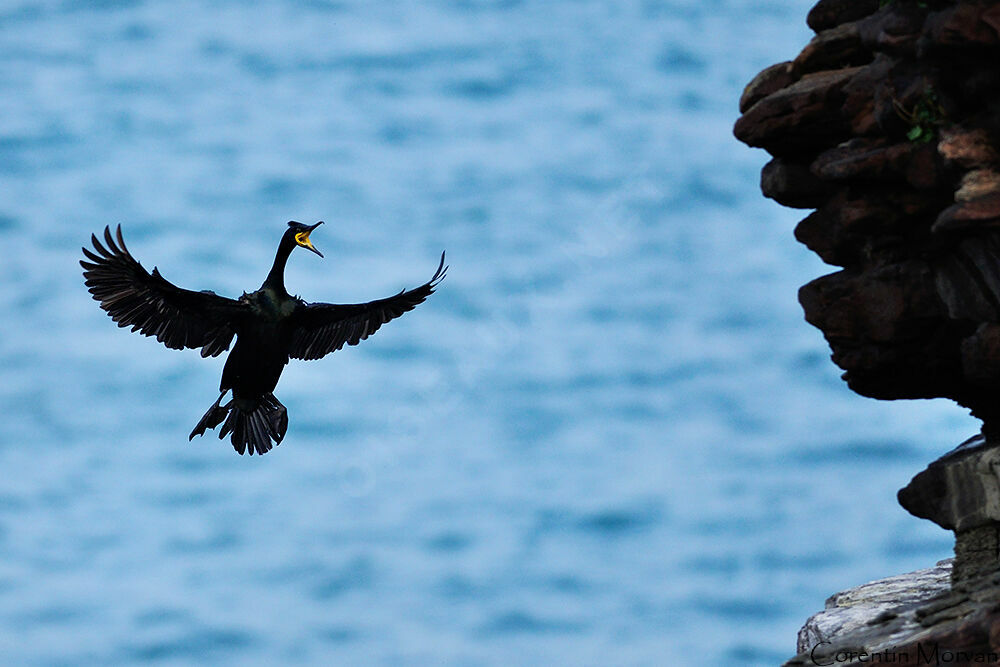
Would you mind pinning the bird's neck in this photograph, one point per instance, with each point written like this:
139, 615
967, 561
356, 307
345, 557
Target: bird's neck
276, 278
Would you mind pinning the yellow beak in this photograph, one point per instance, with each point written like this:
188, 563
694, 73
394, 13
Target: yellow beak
302, 238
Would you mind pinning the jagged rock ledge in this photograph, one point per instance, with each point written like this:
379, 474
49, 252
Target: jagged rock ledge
852, 613
961, 492
912, 619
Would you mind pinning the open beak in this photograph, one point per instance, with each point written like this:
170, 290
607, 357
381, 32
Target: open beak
304, 239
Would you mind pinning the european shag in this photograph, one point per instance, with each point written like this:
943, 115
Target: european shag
270, 327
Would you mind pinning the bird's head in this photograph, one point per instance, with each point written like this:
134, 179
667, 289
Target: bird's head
300, 234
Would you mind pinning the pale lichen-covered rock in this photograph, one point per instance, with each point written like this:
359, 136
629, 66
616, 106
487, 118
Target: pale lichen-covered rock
856, 609
911, 619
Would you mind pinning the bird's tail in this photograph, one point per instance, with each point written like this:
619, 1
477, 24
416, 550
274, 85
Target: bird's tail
253, 423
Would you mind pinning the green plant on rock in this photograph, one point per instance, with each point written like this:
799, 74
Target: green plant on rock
924, 119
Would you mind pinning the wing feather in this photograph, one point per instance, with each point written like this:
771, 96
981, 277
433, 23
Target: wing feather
154, 306
321, 328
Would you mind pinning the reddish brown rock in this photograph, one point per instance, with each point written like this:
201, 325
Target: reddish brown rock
896, 96
882, 325
793, 185
968, 148
977, 184
770, 80
800, 118
832, 49
830, 13
881, 305
924, 170
855, 225
865, 159
981, 356
976, 213
863, 108
964, 26
894, 30
902, 147
828, 240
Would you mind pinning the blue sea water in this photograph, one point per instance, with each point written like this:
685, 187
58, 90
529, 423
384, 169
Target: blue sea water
609, 438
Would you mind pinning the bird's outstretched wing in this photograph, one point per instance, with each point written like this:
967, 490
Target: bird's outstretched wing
153, 306
321, 328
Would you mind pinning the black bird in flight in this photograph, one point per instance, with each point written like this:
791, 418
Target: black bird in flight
270, 327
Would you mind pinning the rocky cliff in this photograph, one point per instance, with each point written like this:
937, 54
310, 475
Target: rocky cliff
888, 125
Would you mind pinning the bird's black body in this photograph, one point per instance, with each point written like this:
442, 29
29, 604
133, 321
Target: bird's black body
270, 327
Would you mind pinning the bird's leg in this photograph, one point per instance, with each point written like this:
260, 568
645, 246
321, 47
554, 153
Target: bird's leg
212, 418
277, 418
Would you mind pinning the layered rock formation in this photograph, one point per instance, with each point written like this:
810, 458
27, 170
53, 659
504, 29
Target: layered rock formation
860, 609
888, 124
